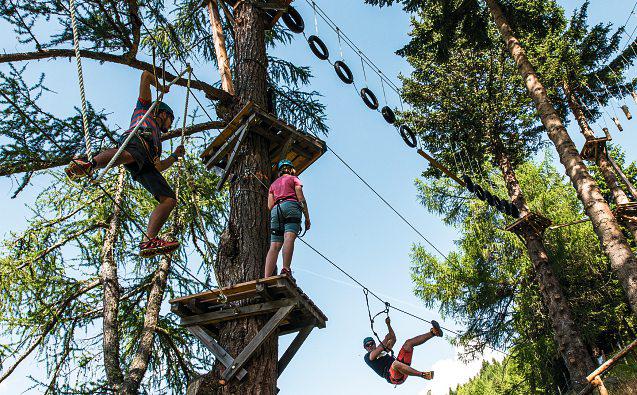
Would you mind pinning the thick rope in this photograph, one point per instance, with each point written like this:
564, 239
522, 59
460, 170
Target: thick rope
80, 76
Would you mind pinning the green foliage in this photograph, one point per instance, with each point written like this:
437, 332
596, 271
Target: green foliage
503, 378
488, 286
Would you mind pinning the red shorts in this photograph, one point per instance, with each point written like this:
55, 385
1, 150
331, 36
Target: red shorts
404, 356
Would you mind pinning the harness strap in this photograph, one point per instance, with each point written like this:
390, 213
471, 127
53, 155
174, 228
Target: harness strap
371, 320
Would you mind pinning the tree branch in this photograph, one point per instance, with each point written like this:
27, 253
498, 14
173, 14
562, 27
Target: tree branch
6, 170
211, 92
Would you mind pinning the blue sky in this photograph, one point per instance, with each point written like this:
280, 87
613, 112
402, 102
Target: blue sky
350, 225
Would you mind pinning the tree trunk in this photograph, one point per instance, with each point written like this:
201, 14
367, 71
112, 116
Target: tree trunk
619, 196
244, 243
576, 357
110, 283
614, 244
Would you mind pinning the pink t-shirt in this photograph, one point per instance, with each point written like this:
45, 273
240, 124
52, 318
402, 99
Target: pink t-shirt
283, 188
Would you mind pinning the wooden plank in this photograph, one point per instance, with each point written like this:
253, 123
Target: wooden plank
261, 336
310, 307
293, 348
223, 150
232, 313
226, 172
219, 352
233, 125
219, 41
440, 167
229, 290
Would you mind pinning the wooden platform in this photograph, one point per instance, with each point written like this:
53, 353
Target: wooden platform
290, 311
593, 147
286, 141
274, 8
627, 212
531, 221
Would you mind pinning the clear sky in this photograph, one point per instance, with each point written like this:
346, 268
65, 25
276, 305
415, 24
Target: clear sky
350, 225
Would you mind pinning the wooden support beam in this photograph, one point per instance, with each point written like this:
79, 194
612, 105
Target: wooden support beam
219, 41
219, 352
440, 167
233, 313
608, 364
255, 343
293, 348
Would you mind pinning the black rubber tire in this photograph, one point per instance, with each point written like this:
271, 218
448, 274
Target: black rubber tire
343, 72
370, 99
408, 136
468, 183
496, 202
515, 212
389, 115
488, 197
318, 47
479, 192
293, 20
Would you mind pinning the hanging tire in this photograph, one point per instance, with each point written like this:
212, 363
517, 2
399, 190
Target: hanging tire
343, 72
515, 212
388, 114
468, 183
408, 136
318, 47
369, 98
479, 192
496, 202
502, 207
293, 20
488, 197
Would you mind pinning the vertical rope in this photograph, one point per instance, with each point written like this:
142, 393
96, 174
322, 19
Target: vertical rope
80, 76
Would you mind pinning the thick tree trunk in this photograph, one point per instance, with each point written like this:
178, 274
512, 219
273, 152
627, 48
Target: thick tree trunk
110, 283
619, 196
576, 357
614, 244
244, 243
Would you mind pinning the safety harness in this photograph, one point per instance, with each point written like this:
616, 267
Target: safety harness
282, 219
371, 320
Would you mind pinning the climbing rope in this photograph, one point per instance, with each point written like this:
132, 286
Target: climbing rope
80, 76
371, 319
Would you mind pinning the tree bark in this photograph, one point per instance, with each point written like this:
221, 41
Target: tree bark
619, 196
110, 310
576, 357
244, 243
614, 244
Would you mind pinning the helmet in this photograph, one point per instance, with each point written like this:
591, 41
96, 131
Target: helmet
165, 107
367, 340
285, 162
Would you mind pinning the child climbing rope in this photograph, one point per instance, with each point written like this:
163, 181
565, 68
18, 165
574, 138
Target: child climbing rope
396, 370
141, 157
286, 203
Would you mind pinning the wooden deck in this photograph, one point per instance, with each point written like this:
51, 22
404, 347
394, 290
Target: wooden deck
592, 148
286, 141
627, 212
531, 221
288, 308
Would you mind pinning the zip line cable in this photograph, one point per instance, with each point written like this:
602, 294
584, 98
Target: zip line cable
104, 190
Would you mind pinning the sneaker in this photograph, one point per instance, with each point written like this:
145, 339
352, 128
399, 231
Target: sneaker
156, 246
78, 168
428, 375
287, 272
436, 328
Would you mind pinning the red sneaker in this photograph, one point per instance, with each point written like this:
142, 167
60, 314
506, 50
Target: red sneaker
157, 246
287, 272
78, 168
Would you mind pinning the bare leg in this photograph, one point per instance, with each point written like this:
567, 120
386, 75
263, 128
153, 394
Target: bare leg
406, 369
105, 156
288, 248
270, 260
416, 341
160, 215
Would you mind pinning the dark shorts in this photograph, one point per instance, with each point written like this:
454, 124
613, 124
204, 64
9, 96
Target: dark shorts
279, 214
143, 170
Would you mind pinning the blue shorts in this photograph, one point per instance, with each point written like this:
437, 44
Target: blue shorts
280, 220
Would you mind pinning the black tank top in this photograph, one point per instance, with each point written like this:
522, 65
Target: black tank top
381, 364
